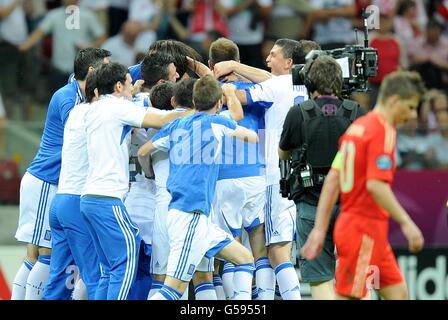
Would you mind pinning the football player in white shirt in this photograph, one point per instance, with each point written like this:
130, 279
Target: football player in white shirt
72, 242
277, 93
108, 126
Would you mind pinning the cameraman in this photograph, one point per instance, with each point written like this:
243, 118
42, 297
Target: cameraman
310, 140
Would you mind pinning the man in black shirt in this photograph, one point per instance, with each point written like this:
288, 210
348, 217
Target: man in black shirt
310, 138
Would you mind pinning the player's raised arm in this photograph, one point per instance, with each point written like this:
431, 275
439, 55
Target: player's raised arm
144, 158
253, 74
198, 67
245, 134
146, 149
157, 120
232, 101
384, 196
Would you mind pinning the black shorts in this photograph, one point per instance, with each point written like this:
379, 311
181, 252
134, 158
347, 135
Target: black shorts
323, 267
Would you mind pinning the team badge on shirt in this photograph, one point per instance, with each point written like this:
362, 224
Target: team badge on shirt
384, 162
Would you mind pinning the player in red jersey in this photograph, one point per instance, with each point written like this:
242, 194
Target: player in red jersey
362, 174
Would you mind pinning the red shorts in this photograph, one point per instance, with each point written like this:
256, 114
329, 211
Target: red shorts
365, 258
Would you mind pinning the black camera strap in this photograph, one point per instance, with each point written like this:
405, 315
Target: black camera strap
309, 110
348, 109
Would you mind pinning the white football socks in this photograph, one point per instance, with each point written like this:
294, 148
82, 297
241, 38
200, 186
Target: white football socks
37, 279
242, 281
265, 279
19, 283
205, 291
288, 281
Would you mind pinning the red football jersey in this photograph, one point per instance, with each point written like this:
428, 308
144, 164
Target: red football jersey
367, 152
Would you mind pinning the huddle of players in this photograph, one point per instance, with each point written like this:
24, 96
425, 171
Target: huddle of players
143, 212
84, 206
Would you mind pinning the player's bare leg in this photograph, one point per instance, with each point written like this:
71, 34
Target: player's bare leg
279, 252
323, 290
217, 281
32, 252
228, 273
203, 286
280, 257
394, 292
339, 297
157, 283
38, 276
242, 258
174, 286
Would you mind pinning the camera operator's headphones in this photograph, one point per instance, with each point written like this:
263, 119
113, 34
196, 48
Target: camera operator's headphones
310, 58
309, 84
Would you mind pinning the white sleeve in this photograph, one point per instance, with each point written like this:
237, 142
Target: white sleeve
128, 113
223, 126
162, 144
264, 91
220, 130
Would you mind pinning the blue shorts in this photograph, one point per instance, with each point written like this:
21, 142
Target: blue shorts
72, 246
117, 242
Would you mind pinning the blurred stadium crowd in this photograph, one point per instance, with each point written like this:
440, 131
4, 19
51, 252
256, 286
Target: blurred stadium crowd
36, 53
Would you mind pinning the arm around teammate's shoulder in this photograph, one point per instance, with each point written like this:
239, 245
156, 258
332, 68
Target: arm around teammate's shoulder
157, 120
245, 134
253, 74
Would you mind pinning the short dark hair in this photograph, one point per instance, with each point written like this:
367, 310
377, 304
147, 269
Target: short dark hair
223, 49
179, 51
107, 75
90, 86
206, 93
183, 92
88, 57
161, 95
155, 68
325, 74
290, 49
404, 5
405, 84
305, 46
